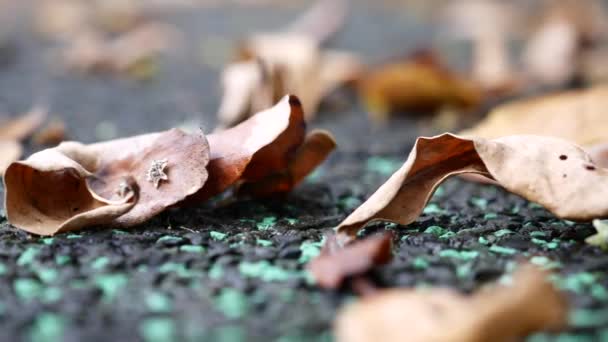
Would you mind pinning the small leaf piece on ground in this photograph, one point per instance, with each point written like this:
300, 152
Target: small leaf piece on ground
335, 264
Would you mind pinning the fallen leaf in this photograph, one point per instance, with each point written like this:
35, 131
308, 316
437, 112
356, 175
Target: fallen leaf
317, 145
600, 238
323, 20
73, 186
51, 134
501, 313
10, 151
552, 172
263, 145
336, 263
23, 126
490, 26
418, 84
578, 116
91, 51
292, 61
566, 30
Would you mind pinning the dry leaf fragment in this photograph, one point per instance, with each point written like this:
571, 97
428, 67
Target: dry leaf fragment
91, 51
24, 125
502, 313
551, 172
419, 84
335, 264
73, 186
321, 21
490, 25
51, 134
578, 116
600, 238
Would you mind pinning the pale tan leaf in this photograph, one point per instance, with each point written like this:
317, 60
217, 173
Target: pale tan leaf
502, 313
551, 172
578, 116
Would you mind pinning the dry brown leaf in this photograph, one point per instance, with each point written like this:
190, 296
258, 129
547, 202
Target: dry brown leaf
335, 264
503, 313
255, 149
23, 126
73, 186
419, 84
10, 151
551, 172
317, 145
578, 116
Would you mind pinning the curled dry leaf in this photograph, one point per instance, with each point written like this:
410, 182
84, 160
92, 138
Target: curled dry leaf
317, 145
335, 264
502, 313
267, 154
419, 84
270, 65
551, 172
578, 116
73, 185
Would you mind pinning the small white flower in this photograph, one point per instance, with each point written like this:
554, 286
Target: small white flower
156, 172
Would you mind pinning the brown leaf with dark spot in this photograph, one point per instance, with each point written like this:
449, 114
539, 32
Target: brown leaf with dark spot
336, 263
73, 186
418, 84
501, 313
552, 172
